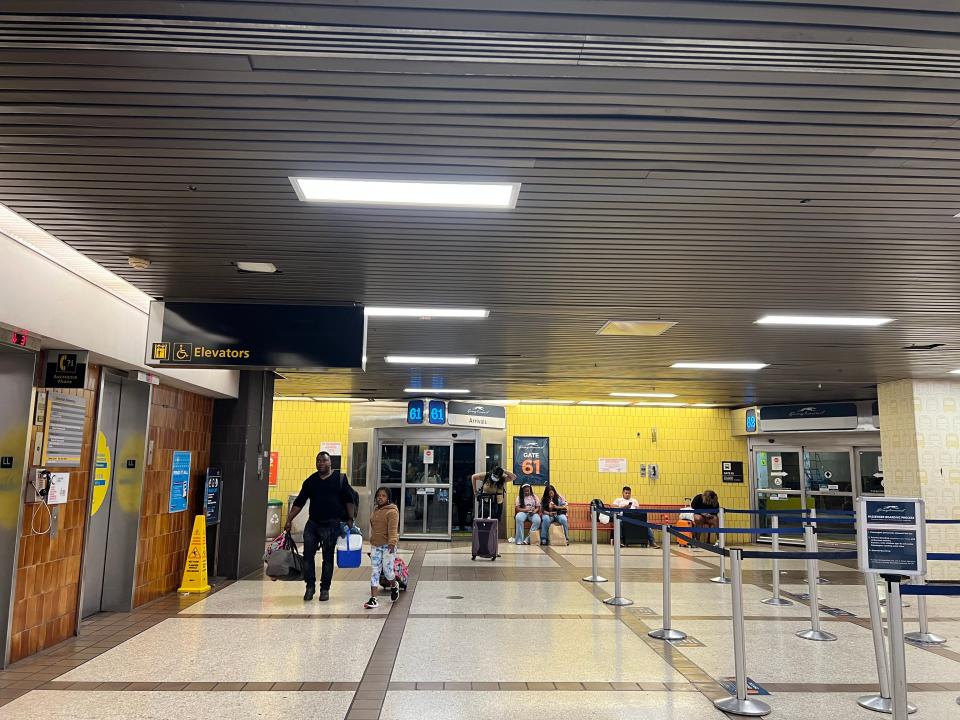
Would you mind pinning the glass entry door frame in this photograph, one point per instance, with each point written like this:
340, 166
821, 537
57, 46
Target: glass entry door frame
868, 476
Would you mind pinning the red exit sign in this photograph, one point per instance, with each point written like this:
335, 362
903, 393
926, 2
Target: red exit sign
19, 339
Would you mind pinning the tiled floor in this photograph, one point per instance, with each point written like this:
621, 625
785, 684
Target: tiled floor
479, 639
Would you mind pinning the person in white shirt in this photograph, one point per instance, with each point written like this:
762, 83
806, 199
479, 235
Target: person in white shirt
626, 500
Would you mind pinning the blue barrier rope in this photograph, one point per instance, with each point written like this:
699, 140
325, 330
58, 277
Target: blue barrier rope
953, 590
943, 522
838, 555
943, 556
716, 550
724, 531
834, 531
801, 511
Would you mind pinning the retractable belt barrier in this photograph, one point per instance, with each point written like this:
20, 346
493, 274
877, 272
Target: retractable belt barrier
943, 522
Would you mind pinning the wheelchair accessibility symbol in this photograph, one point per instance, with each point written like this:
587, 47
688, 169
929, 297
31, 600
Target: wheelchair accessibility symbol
183, 352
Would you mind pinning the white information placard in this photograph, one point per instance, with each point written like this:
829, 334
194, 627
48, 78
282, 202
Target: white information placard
59, 488
612, 465
891, 536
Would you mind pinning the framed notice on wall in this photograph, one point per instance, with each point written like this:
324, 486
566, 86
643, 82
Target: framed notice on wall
180, 480
531, 460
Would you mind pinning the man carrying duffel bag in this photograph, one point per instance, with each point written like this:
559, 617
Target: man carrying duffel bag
332, 501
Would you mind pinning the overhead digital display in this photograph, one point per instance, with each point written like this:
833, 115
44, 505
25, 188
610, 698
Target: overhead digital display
438, 412
415, 412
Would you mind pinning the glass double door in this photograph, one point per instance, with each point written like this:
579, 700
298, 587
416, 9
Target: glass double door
419, 478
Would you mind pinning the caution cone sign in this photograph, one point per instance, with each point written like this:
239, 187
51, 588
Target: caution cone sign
195, 571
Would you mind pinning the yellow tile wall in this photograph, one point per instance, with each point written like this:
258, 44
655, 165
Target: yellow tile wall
690, 446
298, 429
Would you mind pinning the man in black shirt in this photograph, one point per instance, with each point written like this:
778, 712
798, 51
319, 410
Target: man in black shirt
331, 502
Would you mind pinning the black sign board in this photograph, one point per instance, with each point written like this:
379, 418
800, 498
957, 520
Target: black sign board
6, 462
255, 336
65, 369
211, 502
891, 512
892, 550
531, 460
731, 471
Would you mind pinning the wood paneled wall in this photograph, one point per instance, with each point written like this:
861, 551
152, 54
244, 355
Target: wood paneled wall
48, 569
179, 420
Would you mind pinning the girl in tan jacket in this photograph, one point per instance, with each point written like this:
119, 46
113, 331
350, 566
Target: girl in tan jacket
384, 534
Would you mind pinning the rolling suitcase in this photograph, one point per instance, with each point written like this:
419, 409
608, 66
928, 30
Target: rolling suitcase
486, 529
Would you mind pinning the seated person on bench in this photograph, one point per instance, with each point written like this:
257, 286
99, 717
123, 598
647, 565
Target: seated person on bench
626, 500
554, 508
705, 506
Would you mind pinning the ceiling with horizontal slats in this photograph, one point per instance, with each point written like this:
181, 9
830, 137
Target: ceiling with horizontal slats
699, 161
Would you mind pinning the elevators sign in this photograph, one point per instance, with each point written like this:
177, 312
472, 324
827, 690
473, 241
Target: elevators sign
891, 536
255, 336
65, 369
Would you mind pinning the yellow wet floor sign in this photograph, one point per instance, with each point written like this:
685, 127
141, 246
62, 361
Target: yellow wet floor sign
195, 571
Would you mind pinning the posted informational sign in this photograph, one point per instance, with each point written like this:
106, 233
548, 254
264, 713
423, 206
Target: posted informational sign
59, 488
63, 434
891, 536
274, 474
428, 457
331, 448
531, 460
65, 369
180, 480
731, 471
415, 412
255, 335
474, 415
211, 500
776, 463
612, 465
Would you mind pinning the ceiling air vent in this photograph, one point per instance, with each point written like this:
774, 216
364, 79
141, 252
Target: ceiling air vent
931, 346
635, 328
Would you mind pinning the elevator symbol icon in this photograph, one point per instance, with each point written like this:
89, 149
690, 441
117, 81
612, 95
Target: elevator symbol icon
161, 351
183, 352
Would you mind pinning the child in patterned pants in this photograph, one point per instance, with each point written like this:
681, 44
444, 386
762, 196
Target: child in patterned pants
384, 535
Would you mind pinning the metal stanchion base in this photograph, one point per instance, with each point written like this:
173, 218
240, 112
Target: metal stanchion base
749, 707
594, 579
819, 635
921, 638
722, 579
667, 634
619, 601
778, 601
823, 581
882, 704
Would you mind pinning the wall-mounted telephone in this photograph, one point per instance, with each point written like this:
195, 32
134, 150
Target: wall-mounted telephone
41, 491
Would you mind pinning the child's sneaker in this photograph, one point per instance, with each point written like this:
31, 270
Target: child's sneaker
371, 603
395, 591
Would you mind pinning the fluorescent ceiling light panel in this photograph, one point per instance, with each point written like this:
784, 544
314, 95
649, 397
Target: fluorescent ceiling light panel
823, 321
483, 195
546, 402
431, 360
635, 328
18, 228
256, 267
719, 365
426, 313
643, 394
611, 403
955, 372
706, 405
660, 404
437, 391
341, 399
295, 398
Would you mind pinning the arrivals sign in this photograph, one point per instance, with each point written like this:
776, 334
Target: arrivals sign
531, 460
891, 536
255, 336
474, 415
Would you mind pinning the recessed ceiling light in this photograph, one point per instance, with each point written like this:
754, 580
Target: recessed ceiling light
426, 313
644, 395
955, 372
489, 195
823, 321
635, 328
719, 365
256, 267
437, 391
707, 405
611, 403
660, 404
298, 398
431, 360
546, 402
341, 399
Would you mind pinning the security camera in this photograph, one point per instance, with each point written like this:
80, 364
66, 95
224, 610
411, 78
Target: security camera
453, 434
771, 440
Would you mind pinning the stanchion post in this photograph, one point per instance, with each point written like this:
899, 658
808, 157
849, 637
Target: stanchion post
898, 659
882, 702
666, 632
617, 598
740, 704
722, 539
814, 633
813, 517
594, 576
924, 636
775, 599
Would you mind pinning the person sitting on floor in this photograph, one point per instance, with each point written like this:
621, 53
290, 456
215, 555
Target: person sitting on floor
626, 500
554, 508
528, 508
705, 506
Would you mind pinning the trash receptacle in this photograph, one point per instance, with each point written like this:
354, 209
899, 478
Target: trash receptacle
274, 513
